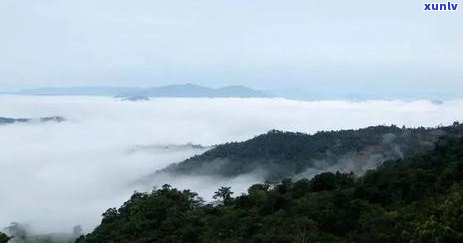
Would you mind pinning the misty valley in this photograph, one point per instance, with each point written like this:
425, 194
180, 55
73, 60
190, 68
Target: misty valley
101, 169
211, 121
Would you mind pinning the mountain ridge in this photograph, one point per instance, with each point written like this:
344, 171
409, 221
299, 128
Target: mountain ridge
417, 199
175, 90
285, 154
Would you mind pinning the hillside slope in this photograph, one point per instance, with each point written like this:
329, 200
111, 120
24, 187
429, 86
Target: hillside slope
279, 154
419, 199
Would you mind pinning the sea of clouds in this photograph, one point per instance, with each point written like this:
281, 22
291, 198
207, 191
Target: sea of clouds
57, 175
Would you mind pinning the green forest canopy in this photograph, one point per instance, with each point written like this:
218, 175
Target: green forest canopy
286, 154
417, 199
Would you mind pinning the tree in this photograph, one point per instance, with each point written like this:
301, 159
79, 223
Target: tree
324, 181
305, 227
17, 231
4, 238
224, 194
77, 231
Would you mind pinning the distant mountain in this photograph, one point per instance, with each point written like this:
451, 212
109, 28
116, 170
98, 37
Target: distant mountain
6, 120
90, 91
170, 147
180, 90
135, 98
192, 90
278, 155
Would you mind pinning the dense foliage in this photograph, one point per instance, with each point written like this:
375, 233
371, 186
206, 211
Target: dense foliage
279, 155
4, 238
419, 199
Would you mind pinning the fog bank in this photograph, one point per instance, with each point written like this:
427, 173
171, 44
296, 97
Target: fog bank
54, 176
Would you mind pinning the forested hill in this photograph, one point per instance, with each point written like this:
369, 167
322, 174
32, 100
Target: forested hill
419, 199
277, 154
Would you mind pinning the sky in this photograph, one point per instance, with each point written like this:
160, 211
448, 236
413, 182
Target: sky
296, 46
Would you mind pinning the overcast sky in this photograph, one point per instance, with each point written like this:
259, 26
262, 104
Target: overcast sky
329, 46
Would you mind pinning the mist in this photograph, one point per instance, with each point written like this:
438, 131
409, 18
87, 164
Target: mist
54, 176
